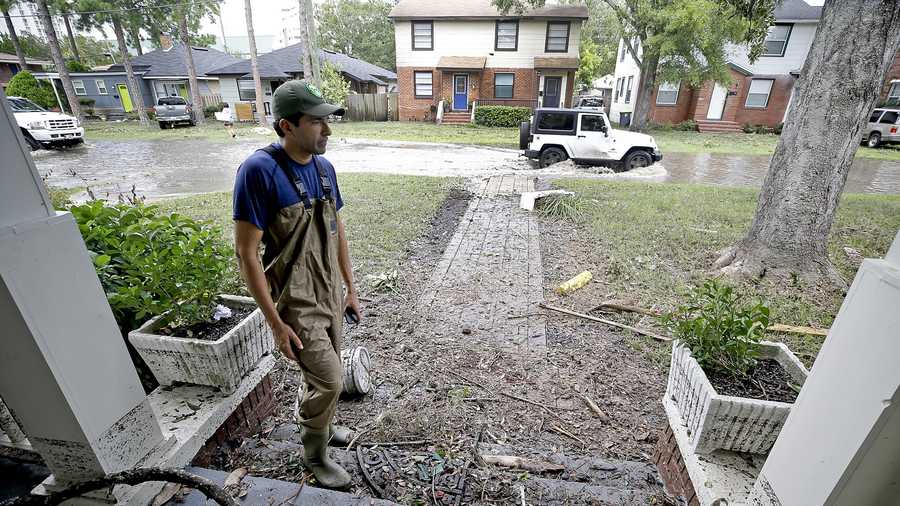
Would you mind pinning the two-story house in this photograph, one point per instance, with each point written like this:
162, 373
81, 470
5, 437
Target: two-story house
760, 92
466, 51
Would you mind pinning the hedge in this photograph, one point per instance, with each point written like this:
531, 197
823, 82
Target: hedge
501, 115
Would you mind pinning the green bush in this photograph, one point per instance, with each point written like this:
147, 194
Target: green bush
501, 115
722, 332
24, 84
778, 128
77, 66
149, 262
210, 110
687, 125
748, 128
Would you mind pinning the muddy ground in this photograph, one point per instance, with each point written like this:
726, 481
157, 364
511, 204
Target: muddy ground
436, 402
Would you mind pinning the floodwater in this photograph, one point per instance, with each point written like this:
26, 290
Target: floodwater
180, 167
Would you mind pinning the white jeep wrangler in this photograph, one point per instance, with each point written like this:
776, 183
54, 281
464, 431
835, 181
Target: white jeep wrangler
555, 135
45, 129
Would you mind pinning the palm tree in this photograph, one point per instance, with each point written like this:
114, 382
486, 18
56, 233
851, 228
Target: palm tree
260, 107
134, 88
56, 54
5, 6
199, 117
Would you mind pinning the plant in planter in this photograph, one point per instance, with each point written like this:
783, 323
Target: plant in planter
170, 269
732, 390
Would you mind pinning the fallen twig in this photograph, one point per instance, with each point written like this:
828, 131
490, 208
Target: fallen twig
567, 434
618, 305
526, 315
608, 322
396, 443
515, 462
792, 329
594, 407
511, 396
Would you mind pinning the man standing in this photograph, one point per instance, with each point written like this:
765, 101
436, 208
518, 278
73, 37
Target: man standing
287, 197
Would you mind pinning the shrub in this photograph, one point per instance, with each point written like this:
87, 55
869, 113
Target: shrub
149, 262
763, 129
77, 66
24, 84
687, 125
210, 110
501, 115
778, 128
722, 332
748, 128
334, 87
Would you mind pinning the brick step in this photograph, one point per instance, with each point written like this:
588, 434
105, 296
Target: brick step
718, 126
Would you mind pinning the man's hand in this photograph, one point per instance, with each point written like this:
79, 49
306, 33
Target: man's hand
351, 302
284, 338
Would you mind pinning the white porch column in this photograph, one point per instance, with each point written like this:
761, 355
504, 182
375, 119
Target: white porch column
64, 371
841, 443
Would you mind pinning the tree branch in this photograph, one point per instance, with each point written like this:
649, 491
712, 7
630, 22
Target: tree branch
624, 19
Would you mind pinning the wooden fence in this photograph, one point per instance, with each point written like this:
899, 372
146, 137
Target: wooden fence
210, 100
373, 107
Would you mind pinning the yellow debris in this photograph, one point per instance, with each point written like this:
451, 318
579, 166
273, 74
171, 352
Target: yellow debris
574, 283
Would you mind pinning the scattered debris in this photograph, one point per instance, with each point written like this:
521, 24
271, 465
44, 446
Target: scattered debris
166, 494
221, 312
233, 482
595, 408
608, 322
575, 283
527, 200
853, 255
512, 461
623, 306
792, 329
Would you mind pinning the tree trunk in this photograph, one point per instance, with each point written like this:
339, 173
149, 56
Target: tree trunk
257, 82
56, 55
643, 100
23, 65
136, 36
134, 89
72, 45
855, 43
312, 70
199, 115
224, 42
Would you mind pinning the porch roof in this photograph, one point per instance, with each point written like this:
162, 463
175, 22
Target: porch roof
462, 62
555, 62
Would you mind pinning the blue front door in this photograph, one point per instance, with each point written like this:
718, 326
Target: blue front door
460, 92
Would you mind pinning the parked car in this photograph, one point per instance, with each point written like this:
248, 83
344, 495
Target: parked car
590, 103
173, 110
555, 135
882, 128
45, 129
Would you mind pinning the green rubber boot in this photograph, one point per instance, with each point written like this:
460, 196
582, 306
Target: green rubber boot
315, 455
339, 435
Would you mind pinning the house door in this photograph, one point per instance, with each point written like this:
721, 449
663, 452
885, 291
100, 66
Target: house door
124, 97
552, 86
460, 92
717, 102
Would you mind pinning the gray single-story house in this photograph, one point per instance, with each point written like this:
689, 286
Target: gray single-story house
237, 87
160, 73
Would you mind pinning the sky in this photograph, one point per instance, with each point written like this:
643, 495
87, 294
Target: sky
266, 17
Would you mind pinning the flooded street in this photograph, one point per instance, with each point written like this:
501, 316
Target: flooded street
179, 167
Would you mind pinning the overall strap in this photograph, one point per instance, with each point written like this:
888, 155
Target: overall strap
281, 158
324, 180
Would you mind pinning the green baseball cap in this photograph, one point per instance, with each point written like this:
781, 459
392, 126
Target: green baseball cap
300, 96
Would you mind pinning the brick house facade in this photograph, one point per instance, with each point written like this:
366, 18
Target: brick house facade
468, 53
759, 92
890, 92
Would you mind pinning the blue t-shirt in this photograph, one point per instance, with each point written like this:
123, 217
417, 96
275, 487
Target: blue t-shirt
261, 188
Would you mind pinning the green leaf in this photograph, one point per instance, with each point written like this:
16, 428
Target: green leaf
102, 260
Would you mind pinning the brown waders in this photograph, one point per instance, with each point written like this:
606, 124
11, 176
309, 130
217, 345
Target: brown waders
301, 265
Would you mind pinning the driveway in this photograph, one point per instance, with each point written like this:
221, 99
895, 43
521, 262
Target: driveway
180, 167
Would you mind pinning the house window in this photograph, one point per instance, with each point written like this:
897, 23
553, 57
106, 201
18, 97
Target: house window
422, 35
628, 90
777, 39
894, 94
423, 82
503, 85
557, 37
246, 90
758, 95
101, 87
79, 87
506, 36
668, 93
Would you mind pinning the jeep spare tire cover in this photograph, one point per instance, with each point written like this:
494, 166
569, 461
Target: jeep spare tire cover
524, 133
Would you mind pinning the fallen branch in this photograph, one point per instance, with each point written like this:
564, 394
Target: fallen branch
595, 408
617, 305
514, 462
396, 443
791, 329
608, 322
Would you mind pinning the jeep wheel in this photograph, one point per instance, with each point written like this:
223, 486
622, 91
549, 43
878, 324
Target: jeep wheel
874, 140
552, 155
524, 133
33, 144
162, 125
637, 159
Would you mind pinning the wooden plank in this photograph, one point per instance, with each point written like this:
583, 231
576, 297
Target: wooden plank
393, 106
381, 107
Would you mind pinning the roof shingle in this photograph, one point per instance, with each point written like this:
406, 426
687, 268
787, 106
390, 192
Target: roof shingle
170, 63
471, 9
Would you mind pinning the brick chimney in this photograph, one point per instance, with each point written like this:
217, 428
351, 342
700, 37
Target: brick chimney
165, 42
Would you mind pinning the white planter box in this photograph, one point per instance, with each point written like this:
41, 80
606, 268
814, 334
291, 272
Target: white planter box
221, 363
723, 422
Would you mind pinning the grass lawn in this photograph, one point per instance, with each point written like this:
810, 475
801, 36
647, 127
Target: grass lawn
671, 141
655, 241
382, 214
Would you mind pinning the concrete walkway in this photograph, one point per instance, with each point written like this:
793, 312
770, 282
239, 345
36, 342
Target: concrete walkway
490, 277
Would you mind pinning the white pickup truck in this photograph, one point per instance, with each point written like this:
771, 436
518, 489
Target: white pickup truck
585, 136
45, 129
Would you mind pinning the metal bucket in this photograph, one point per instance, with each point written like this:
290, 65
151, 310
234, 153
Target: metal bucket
357, 363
